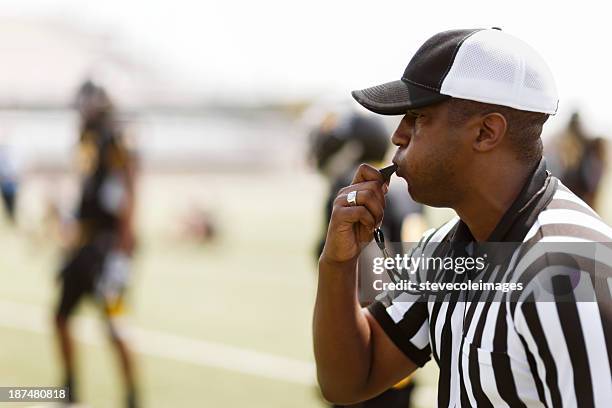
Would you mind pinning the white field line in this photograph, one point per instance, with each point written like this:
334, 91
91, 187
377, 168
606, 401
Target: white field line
159, 344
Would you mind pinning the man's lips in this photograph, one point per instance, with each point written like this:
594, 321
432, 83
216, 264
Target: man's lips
398, 170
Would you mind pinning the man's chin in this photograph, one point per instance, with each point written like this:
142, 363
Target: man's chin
414, 194
417, 195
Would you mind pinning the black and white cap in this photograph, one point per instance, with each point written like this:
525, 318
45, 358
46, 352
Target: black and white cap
484, 65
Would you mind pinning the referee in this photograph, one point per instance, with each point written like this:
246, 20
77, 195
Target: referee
473, 103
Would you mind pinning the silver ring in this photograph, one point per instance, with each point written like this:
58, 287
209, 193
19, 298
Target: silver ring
351, 197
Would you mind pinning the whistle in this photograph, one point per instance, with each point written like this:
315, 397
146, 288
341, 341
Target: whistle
388, 171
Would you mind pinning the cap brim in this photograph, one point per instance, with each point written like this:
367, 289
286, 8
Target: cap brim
397, 97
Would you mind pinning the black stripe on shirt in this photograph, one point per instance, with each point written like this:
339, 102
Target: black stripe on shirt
576, 347
474, 370
533, 367
446, 346
535, 328
501, 362
604, 303
398, 337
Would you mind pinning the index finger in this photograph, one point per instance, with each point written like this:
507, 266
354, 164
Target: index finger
365, 172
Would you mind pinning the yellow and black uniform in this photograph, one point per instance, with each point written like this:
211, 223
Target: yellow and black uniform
104, 160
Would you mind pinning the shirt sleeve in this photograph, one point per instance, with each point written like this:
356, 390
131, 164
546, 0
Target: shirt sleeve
405, 321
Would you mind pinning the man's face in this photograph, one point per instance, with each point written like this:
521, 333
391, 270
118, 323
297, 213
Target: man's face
431, 156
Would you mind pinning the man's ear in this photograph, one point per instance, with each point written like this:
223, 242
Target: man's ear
492, 130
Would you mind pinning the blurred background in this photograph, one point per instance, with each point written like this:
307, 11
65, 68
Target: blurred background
230, 112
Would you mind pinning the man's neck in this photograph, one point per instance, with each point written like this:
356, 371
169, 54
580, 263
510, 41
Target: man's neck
488, 201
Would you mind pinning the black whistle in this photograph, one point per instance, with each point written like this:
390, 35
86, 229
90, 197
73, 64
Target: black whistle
388, 171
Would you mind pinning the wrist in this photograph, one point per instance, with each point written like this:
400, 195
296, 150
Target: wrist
329, 264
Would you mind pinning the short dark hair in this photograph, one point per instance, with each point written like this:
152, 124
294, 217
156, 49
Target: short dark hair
524, 128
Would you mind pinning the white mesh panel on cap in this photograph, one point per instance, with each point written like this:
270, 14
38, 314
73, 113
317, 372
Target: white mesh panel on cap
494, 67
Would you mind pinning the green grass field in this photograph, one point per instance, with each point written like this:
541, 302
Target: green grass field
252, 289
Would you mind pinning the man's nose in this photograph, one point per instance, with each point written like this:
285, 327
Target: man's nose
402, 135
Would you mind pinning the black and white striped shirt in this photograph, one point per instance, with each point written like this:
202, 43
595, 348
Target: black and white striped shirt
517, 352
